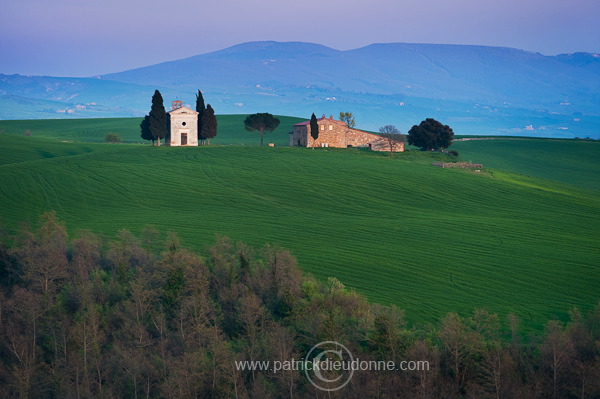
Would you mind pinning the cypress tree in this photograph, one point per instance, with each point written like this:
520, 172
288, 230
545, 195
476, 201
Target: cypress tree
200, 108
145, 128
209, 124
158, 118
314, 129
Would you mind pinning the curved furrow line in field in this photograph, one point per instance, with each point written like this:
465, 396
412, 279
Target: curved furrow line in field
52, 198
333, 181
246, 200
20, 191
348, 199
267, 199
323, 185
112, 188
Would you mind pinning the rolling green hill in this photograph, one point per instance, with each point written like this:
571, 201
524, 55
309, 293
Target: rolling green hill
569, 161
94, 130
396, 229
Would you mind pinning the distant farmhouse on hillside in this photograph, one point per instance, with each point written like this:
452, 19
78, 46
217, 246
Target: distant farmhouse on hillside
334, 133
183, 126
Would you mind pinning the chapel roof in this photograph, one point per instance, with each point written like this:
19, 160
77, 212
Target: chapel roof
182, 110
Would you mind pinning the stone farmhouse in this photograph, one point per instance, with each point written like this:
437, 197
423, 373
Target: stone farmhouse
183, 129
334, 133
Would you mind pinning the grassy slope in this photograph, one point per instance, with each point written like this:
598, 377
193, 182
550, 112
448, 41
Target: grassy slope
569, 161
398, 230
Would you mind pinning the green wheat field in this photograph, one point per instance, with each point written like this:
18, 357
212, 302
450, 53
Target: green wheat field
522, 236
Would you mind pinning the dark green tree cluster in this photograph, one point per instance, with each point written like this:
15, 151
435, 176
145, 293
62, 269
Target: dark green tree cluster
154, 126
145, 128
158, 119
209, 125
430, 135
207, 121
142, 316
200, 108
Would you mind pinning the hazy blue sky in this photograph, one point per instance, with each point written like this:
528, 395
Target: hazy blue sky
89, 37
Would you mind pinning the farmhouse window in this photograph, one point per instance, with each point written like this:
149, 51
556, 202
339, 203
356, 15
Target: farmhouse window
330, 127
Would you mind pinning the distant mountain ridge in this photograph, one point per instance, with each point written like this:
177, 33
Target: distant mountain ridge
476, 89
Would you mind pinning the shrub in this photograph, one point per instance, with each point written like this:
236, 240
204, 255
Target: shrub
112, 137
454, 153
27, 132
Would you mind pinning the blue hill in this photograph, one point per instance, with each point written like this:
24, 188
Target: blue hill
476, 89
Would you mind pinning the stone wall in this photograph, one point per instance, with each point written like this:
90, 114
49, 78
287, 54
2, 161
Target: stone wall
332, 133
298, 136
383, 144
463, 165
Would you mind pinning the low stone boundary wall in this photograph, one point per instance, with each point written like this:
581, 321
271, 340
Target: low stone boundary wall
464, 165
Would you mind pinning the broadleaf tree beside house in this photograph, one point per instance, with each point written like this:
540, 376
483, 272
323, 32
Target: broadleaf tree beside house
348, 119
392, 136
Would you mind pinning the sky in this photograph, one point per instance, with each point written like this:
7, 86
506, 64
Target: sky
91, 37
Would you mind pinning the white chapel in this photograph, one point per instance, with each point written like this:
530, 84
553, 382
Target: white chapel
184, 126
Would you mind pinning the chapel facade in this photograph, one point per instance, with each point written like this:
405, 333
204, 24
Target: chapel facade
183, 126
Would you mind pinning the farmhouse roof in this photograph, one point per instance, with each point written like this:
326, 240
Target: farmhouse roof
330, 119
